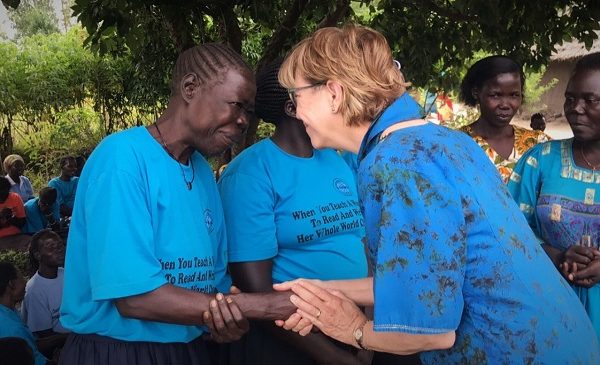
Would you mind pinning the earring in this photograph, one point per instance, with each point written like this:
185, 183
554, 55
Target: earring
333, 109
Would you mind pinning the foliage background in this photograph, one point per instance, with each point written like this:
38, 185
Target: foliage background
64, 86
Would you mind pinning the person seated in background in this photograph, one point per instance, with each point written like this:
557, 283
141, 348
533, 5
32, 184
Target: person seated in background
12, 290
66, 185
538, 122
495, 84
12, 218
14, 167
272, 234
43, 292
42, 212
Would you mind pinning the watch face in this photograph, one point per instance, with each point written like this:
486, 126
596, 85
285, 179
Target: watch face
358, 333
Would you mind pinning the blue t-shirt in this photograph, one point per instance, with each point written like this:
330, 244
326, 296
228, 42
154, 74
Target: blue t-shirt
453, 252
301, 212
13, 326
136, 227
65, 190
36, 221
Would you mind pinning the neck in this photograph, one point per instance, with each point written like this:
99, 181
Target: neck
170, 137
352, 138
291, 137
65, 177
48, 272
487, 130
15, 178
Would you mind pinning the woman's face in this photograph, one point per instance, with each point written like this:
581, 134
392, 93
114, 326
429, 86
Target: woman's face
17, 169
314, 109
69, 168
582, 105
500, 98
219, 117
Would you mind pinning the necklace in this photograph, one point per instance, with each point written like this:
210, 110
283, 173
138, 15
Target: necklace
593, 167
162, 141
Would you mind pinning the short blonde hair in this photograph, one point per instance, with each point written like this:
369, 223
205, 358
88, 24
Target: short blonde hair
357, 57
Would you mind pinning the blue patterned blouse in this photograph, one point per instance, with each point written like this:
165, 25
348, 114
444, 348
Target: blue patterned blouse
452, 252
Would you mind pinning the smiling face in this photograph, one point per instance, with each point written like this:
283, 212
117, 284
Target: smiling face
218, 116
582, 105
314, 109
500, 98
52, 252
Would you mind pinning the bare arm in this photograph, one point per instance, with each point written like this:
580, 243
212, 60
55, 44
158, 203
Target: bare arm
172, 304
360, 291
404, 343
257, 277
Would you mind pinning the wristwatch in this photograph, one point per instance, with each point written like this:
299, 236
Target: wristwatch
358, 335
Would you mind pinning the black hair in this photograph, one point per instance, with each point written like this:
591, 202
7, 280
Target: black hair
484, 70
65, 160
209, 61
4, 184
37, 240
8, 272
48, 194
270, 95
589, 62
15, 351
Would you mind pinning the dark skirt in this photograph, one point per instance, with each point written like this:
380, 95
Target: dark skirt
101, 350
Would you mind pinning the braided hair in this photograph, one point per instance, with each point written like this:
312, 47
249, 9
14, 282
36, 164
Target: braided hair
209, 62
270, 95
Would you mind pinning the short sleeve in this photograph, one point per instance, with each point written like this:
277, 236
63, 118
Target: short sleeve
248, 204
122, 259
525, 183
420, 260
36, 313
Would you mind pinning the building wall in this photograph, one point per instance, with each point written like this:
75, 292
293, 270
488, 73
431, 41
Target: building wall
555, 97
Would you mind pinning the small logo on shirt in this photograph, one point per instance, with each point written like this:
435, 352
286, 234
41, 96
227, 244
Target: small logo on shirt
341, 186
208, 220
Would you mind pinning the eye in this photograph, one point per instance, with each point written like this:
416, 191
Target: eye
592, 100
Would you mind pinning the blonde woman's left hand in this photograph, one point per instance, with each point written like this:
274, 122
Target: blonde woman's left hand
332, 312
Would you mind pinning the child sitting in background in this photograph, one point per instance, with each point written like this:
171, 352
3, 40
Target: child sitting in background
43, 293
42, 212
66, 185
12, 287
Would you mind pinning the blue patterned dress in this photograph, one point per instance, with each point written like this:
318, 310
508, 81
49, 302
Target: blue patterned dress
452, 252
561, 202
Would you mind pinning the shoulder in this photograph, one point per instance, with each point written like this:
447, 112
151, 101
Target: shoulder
251, 161
15, 198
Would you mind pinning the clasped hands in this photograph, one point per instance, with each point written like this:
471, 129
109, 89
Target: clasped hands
329, 310
581, 265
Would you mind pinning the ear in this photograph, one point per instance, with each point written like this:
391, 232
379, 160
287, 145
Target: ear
290, 109
189, 85
475, 93
337, 92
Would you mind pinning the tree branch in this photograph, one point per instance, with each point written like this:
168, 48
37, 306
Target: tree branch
336, 14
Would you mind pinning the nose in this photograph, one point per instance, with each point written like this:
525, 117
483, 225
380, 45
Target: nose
243, 122
578, 106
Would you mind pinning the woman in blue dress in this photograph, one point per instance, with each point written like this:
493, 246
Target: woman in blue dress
555, 185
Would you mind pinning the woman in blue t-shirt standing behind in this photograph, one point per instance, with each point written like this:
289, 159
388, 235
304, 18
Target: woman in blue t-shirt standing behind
291, 211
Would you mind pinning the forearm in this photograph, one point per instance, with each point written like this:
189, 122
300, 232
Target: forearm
360, 291
173, 304
404, 343
556, 256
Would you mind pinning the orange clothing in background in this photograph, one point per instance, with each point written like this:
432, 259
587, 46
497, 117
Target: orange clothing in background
15, 203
